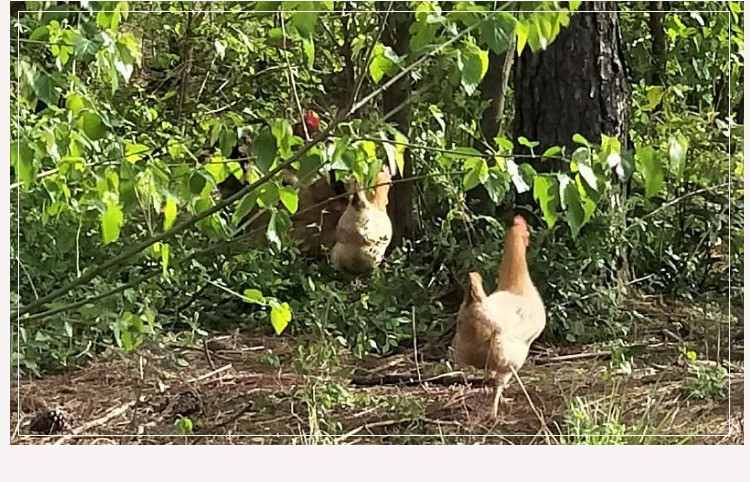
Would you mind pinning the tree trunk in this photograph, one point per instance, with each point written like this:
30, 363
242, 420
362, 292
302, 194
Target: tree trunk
494, 88
578, 85
396, 36
16, 7
658, 43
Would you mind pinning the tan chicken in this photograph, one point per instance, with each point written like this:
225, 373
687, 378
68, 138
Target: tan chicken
364, 231
494, 332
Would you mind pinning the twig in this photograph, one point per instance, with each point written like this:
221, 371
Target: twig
113, 413
91, 299
410, 379
574, 356
290, 74
680, 199
531, 403
211, 373
382, 423
28, 276
414, 337
208, 355
367, 56
78, 248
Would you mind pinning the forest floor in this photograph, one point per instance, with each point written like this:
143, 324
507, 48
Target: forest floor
243, 388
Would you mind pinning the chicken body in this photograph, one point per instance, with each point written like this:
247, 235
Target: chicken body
364, 231
495, 332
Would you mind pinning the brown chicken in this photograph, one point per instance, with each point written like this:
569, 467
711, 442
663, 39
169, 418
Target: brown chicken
314, 224
494, 332
364, 231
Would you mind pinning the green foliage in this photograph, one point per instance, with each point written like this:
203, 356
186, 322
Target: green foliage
183, 425
709, 380
602, 422
124, 124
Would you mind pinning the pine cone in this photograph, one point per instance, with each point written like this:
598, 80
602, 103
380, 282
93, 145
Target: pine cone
49, 422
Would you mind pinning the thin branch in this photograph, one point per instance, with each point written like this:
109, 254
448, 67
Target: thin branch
416, 64
78, 304
290, 74
680, 199
113, 413
367, 56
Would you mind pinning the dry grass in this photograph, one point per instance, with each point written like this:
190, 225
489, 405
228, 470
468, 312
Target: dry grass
238, 397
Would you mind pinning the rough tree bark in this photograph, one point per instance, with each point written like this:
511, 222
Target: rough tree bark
578, 85
494, 87
16, 7
396, 36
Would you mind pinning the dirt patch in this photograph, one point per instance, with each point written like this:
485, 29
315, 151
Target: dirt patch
248, 389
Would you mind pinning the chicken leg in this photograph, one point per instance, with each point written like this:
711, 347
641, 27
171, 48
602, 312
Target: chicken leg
501, 380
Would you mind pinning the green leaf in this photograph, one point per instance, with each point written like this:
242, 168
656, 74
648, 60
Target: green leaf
587, 173
522, 35
74, 103
45, 89
289, 198
170, 213
197, 183
254, 296
677, 152
267, 195
473, 63
267, 7
308, 48
216, 169
40, 33
395, 152
246, 204
84, 47
649, 166
497, 31
497, 184
547, 192
654, 95
264, 149
221, 49
135, 152
227, 141
111, 221
525, 142
282, 131
272, 231
579, 139
552, 151
22, 160
124, 62
505, 145
571, 202
281, 315
305, 23
164, 259
92, 125
311, 163
384, 62
477, 172
611, 150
